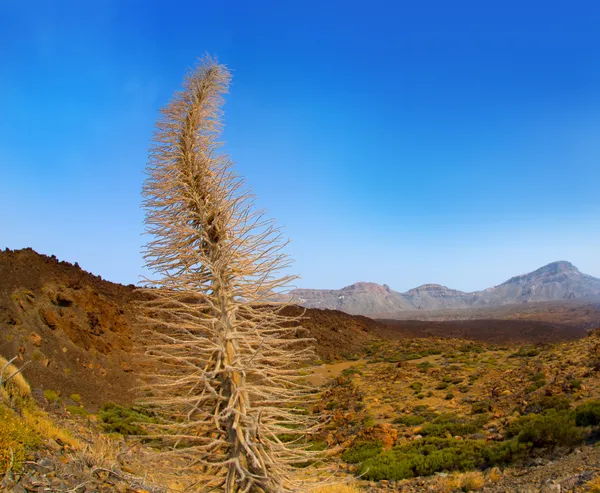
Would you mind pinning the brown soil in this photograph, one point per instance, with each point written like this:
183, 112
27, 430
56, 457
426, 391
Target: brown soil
494, 331
74, 327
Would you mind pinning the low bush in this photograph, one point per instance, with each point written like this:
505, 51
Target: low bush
416, 386
351, 371
431, 455
77, 410
546, 403
588, 414
125, 420
452, 425
51, 395
16, 439
425, 366
481, 407
361, 451
555, 428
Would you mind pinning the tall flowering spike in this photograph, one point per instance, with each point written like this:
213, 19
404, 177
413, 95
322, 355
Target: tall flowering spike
226, 363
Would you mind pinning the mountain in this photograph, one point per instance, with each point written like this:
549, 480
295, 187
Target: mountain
556, 281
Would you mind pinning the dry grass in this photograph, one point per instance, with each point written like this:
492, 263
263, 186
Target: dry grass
470, 481
494, 475
337, 488
102, 452
593, 486
15, 388
22, 425
15, 440
41, 424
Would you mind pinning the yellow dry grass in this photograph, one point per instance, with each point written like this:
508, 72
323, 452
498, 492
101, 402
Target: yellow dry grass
22, 431
41, 423
337, 488
15, 440
470, 481
593, 486
494, 475
16, 387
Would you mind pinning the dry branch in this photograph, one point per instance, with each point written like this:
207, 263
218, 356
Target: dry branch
227, 361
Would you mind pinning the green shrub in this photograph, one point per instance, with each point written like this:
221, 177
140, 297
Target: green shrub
51, 395
546, 403
481, 407
77, 410
449, 396
351, 371
76, 398
452, 425
361, 451
431, 455
525, 352
555, 428
416, 386
125, 420
423, 367
588, 414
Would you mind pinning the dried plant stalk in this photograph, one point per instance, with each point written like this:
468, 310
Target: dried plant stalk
227, 362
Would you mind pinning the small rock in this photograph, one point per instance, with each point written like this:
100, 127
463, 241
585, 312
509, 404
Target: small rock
35, 339
550, 486
45, 466
53, 445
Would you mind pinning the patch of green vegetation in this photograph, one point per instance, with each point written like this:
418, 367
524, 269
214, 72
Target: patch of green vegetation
78, 410
588, 414
449, 424
431, 455
410, 420
552, 429
17, 438
361, 451
425, 366
351, 371
416, 386
546, 403
125, 420
75, 398
481, 407
525, 352
51, 395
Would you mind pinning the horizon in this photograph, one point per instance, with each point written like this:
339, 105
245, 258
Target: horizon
76, 264
403, 145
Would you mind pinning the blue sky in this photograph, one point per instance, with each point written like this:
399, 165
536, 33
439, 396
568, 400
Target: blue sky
397, 142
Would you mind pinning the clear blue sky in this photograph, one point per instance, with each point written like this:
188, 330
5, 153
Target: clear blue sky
398, 142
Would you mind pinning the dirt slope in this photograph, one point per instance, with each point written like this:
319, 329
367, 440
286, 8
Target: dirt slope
78, 332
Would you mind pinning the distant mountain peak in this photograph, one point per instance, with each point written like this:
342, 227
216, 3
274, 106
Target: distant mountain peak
430, 287
559, 280
553, 268
558, 266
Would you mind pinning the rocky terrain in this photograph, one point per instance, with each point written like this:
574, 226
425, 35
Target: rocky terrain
554, 282
78, 330
509, 403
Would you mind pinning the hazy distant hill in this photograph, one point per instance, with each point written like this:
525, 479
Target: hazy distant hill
556, 281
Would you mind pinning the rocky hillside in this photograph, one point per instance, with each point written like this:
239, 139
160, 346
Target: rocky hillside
78, 330
555, 281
